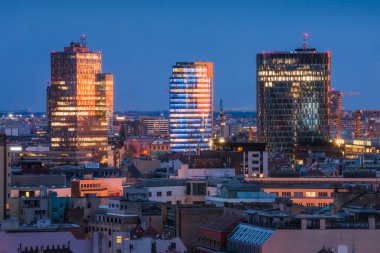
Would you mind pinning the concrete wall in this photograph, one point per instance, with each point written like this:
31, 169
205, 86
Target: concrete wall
178, 193
186, 172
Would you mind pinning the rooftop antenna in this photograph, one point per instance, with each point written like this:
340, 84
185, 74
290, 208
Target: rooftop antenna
221, 115
304, 42
83, 40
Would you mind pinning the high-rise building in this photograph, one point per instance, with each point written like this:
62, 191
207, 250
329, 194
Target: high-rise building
191, 105
293, 98
336, 113
3, 176
77, 97
104, 96
156, 126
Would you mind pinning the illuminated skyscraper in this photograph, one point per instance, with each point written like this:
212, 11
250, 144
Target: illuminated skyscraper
293, 98
104, 83
336, 107
77, 99
191, 106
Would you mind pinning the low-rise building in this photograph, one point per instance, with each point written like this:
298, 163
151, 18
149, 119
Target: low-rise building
123, 243
22, 239
110, 220
231, 195
184, 221
186, 172
212, 235
175, 191
318, 195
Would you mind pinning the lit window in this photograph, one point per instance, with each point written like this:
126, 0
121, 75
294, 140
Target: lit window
310, 194
118, 239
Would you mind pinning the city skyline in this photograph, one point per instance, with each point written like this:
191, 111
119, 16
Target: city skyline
129, 51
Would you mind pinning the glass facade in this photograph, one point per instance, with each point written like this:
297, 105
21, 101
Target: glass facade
191, 105
104, 96
336, 107
77, 102
293, 99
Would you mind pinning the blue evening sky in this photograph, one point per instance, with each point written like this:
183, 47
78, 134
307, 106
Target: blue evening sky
141, 40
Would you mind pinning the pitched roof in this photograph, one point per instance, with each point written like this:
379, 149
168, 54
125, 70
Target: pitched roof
250, 234
222, 223
365, 201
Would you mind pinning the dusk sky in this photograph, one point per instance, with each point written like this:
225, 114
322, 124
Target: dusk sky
141, 40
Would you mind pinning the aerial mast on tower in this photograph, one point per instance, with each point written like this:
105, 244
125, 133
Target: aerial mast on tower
304, 42
83, 40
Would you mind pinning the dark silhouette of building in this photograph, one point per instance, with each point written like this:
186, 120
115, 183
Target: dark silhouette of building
293, 98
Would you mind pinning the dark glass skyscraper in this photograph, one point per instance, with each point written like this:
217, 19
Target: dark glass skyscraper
78, 101
293, 98
191, 106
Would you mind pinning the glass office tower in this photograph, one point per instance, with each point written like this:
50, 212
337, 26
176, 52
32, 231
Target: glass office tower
293, 99
77, 101
104, 97
191, 105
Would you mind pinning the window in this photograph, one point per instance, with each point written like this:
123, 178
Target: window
298, 194
168, 193
118, 239
150, 194
286, 194
159, 194
310, 194
322, 194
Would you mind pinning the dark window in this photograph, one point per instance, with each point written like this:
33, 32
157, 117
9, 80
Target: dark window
159, 194
168, 193
188, 188
199, 189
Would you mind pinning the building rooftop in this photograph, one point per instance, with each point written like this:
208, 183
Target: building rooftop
160, 182
367, 202
221, 223
250, 234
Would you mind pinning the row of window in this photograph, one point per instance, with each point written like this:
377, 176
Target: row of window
302, 194
159, 194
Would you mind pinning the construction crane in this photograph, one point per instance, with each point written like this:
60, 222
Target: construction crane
236, 109
337, 108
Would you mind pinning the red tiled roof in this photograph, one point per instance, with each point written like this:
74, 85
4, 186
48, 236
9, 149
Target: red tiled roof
222, 223
365, 200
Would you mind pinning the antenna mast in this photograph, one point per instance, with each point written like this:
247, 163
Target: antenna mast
221, 116
83, 40
304, 42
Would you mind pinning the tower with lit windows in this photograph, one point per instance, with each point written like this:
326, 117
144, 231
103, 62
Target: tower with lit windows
293, 98
78, 101
191, 105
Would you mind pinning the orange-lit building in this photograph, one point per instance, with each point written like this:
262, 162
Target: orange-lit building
79, 101
99, 187
88, 187
310, 195
105, 97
